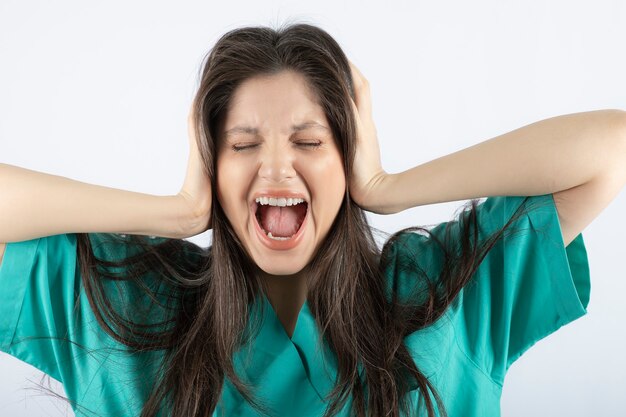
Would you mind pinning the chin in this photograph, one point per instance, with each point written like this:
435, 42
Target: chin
281, 271
272, 270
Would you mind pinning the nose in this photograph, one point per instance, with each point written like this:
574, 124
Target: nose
276, 164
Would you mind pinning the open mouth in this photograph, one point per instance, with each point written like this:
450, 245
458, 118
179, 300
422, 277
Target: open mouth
280, 222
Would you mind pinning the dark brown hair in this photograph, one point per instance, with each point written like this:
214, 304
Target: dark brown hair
208, 291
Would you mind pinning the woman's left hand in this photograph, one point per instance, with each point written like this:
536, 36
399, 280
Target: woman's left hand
368, 177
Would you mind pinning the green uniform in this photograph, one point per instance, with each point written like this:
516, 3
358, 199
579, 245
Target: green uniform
528, 286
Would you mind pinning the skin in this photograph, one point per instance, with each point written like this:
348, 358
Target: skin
581, 189
280, 161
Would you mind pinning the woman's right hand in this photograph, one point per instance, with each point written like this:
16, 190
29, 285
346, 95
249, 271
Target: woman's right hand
196, 190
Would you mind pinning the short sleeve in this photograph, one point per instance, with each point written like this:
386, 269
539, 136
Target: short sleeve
45, 317
37, 291
527, 286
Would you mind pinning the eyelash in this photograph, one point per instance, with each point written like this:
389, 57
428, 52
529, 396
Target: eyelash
305, 144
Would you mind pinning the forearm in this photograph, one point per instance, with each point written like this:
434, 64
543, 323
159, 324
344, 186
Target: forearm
36, 204
544, 157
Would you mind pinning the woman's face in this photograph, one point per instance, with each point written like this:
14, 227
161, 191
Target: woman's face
289, 151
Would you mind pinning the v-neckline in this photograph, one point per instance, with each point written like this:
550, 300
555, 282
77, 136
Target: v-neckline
275, 317
273, 349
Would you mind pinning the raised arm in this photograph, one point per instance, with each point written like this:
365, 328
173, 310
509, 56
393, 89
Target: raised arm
580, 158
544, 157
36, 204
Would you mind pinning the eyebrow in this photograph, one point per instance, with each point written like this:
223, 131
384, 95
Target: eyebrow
255, 131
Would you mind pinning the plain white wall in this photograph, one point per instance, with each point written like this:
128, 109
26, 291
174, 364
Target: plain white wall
99, 92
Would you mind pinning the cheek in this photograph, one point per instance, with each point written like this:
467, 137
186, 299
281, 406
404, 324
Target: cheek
232, 185
328, 180
335, 175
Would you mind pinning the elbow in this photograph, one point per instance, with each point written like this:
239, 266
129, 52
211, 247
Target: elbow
619, 152
610, 125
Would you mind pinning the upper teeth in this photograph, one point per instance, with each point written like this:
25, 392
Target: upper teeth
281, 202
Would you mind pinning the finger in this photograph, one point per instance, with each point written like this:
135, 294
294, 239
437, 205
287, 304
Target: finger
357, 76
361, 92
355, 110
192, 130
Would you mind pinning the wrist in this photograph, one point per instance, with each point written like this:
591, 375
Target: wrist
394, 204
383, 195
192, 220
166, 216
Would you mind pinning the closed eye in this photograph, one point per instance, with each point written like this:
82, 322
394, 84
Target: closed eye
305, 144
241, 148
311, 144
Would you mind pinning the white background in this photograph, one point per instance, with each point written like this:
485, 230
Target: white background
99, 92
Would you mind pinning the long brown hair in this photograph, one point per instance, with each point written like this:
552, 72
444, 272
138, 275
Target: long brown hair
208, 291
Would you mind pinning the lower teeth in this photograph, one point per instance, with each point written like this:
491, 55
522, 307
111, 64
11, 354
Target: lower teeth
269, 234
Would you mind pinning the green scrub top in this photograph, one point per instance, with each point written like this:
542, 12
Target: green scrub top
527, 287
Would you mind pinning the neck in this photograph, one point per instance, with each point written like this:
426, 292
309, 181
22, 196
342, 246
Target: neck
284, 285
286, 293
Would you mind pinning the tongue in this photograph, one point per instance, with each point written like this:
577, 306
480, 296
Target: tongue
282, 221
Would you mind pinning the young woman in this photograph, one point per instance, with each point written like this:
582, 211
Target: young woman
294, 310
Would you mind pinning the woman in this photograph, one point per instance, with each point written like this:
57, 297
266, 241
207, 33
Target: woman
293, 310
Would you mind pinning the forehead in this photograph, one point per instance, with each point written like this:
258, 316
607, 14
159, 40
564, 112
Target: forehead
282, 102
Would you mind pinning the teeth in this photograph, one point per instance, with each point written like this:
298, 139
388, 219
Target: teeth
269, 234
279, 202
